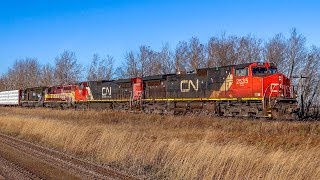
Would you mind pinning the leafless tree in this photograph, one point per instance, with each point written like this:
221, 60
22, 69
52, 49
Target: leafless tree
101, 68
67, 69
47, 75
144, 63
24, 73
106, 68
129, 67
93, 68
196, 54
154, 63
311, 84
181, 56
296, 52
32, 71
4, 82
222, 50
275, 51
249, 49
166, 60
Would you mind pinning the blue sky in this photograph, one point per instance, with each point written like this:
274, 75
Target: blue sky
43, 28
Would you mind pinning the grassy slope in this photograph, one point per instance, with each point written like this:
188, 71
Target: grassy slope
170, 147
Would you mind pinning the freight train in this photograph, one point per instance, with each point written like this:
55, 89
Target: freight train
247, 90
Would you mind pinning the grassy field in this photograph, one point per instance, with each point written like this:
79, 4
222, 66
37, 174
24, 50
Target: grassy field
171, 147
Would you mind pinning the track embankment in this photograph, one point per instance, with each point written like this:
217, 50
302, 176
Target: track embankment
23, 160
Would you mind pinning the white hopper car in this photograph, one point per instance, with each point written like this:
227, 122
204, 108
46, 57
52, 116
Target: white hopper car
10, 98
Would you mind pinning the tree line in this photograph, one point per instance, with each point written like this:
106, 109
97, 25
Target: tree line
291, 55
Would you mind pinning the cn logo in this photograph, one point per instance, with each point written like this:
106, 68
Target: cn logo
186, 85
106, 92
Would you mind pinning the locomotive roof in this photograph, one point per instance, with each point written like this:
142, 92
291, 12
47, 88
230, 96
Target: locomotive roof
38, 87
123, 81
101, 81
243, 65
156, 77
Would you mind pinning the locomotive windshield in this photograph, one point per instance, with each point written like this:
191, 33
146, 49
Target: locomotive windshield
263, 70
259, 70
272, 70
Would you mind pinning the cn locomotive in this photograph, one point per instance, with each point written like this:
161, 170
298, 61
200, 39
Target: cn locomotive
245, 90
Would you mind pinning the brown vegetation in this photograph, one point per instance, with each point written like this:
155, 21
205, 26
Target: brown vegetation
172, 147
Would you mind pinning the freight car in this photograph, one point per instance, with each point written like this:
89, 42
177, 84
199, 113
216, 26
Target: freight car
10, 98
250, 90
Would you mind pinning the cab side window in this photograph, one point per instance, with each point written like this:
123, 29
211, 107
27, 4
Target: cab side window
242, 72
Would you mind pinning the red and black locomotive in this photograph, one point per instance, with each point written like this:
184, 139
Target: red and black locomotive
251, 89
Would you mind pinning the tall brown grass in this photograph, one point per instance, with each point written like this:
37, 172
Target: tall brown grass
171, 147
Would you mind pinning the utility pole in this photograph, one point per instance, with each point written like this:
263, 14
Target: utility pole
301, 96
301, 93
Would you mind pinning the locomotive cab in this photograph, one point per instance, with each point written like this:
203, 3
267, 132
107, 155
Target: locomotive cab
260, 80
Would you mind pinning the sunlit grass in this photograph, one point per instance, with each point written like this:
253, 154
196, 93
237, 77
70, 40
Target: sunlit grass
174, 147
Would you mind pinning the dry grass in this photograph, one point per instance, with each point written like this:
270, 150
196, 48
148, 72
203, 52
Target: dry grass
167, 147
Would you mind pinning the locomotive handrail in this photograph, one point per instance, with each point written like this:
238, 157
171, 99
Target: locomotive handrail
264, 96
271, 91
131, 99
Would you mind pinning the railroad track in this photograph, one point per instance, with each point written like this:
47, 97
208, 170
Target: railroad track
24, 160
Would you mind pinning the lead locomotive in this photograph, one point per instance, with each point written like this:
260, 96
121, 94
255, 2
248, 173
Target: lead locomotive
251, 90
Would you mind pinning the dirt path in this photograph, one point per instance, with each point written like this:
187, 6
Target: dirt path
23, 160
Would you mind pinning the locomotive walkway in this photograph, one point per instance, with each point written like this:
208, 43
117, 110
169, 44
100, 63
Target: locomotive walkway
23, 160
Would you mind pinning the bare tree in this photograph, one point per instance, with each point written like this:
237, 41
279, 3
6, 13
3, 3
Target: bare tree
311, 84
24, 73
222, 50
144, 63
181, 56
101, 68
47, 75
32, 71
296, 52
67, 70
106, 68
154, 63
130, 67
166, 60
4, 82
196, 54
249, 49
275, 51
93, 68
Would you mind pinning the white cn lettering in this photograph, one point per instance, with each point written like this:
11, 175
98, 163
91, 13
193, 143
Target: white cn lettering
106, 91
189, 85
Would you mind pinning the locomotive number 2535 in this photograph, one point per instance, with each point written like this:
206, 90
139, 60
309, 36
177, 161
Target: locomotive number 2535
242, 81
